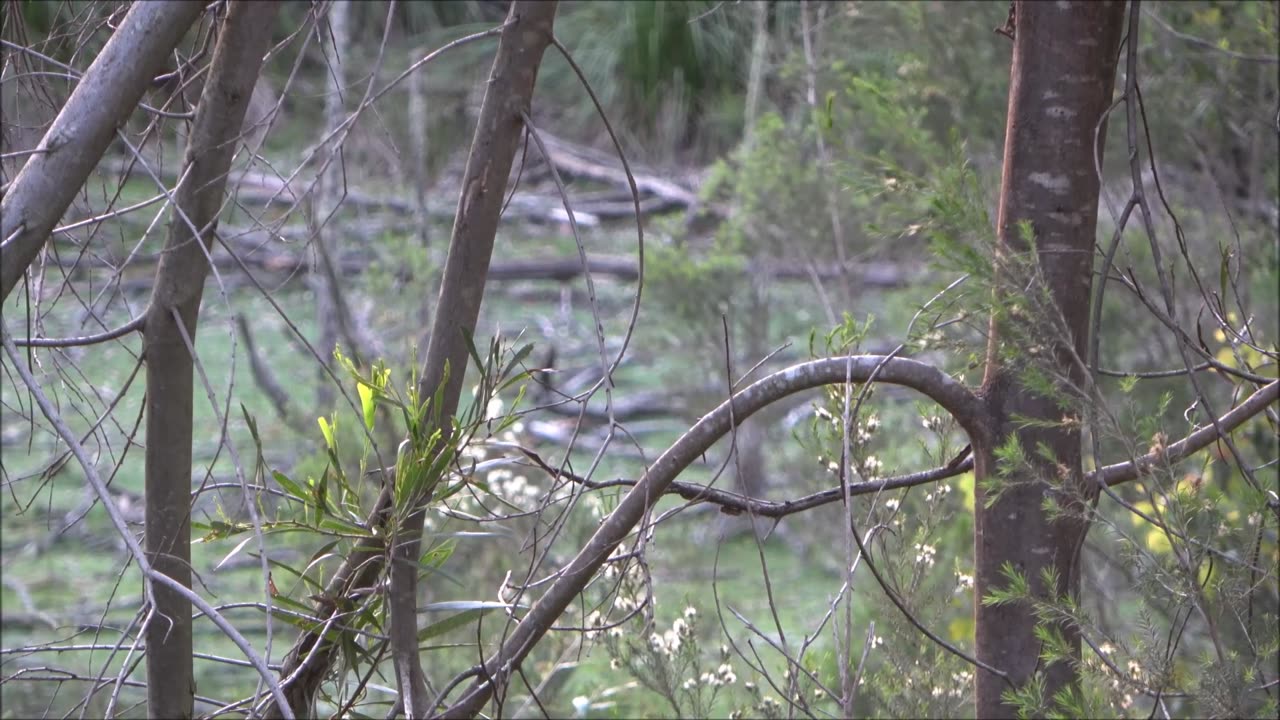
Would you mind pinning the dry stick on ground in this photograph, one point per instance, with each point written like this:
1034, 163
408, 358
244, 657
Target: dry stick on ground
102, 100
179, 285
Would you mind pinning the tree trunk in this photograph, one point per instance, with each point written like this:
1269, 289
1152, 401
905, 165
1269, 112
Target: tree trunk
1064, 62
103, 99
242, 43
325, 203
509, 92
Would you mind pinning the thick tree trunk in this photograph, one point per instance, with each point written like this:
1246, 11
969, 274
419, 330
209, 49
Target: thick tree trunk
242, 43
1064, 62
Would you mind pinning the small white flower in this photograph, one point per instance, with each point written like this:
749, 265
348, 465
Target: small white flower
494, 408
891, 503
581, 705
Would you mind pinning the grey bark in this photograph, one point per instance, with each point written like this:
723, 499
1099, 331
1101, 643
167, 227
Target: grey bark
179, 285
1064, 61
101, 102
509, 92
320, 278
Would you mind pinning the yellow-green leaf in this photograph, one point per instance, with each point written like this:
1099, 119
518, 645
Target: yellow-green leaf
366, 403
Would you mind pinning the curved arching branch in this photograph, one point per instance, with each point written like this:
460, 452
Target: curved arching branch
948, 392
735, 503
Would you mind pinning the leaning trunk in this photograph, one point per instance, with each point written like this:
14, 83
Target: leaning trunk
1064, 61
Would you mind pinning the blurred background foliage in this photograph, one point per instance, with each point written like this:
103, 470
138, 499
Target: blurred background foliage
909, 109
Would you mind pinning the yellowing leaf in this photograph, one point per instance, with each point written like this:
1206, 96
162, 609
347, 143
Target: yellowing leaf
366, 403
327, 431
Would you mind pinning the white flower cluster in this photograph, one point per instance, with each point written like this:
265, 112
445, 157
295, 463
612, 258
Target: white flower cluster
930, 338
963, 582
959, 681
864, 431
871, 468
925, 553
942, 491
515, 489
723, 675
933, 423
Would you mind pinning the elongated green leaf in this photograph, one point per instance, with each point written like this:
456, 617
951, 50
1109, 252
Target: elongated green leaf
366, 403
469, 611
438, 555
516, 359
327, 431
290, 486
337, 524
471, 347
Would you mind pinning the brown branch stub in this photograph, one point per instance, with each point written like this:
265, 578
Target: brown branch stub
1010, 26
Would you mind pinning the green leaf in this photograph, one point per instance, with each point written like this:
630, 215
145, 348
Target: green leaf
471, 347
327, 431
337, 524
438, 555
521, 354
291, 487
468, 611
366, 403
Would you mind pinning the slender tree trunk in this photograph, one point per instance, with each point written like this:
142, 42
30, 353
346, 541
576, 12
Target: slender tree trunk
1064, 62
326, 202
242, 43
509, 92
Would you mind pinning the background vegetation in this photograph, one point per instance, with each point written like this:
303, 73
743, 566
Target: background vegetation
860, 185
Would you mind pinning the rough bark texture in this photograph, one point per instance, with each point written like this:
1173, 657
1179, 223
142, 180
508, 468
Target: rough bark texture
509, 91
1064, 62
180, 277
101, 102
